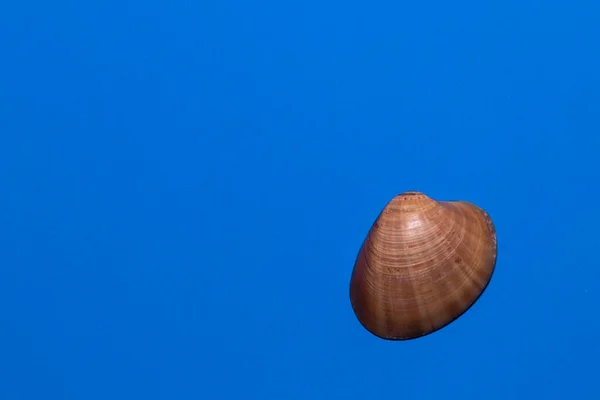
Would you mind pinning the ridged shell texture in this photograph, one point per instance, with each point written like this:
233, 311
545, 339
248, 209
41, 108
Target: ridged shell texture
421, 266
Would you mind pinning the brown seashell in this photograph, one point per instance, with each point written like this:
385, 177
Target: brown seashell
422, 265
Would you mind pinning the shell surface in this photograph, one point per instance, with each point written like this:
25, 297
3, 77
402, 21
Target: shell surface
422, 265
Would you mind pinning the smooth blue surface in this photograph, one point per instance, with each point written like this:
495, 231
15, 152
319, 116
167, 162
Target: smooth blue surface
185, 185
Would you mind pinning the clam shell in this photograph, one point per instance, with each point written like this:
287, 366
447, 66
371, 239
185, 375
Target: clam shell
422, 265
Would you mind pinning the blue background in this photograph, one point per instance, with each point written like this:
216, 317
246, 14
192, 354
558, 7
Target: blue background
185, 186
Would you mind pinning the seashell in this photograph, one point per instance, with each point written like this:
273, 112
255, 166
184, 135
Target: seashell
422, 265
